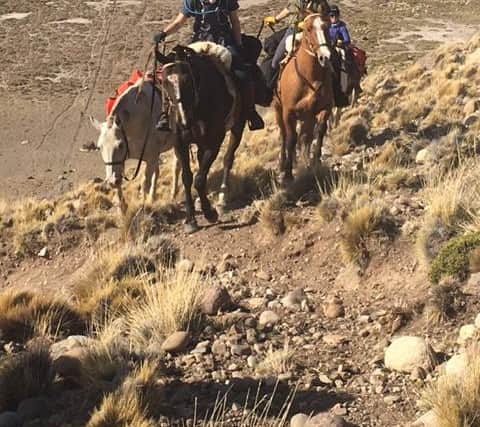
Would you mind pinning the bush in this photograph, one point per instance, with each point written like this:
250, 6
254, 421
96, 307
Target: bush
454, 258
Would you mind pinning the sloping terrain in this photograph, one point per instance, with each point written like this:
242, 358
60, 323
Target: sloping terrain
287, 304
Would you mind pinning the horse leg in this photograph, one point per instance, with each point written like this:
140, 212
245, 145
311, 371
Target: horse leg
281, 126
322, 119
147, 182
290, 145
176, 168
233, 143
152, 191
306, 136
121, 200
183, 154
205, 160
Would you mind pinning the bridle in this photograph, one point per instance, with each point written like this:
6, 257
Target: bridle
311, 47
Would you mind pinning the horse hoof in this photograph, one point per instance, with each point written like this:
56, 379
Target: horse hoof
211, 215
221, 209
190, 227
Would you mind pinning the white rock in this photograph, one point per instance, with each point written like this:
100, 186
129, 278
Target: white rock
268, 317
407, 353
423, 156
298, 420
43, 253
427, 420
456, 366
466, 333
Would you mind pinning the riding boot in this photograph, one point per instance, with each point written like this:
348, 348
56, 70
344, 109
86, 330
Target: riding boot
255, 121
163, 124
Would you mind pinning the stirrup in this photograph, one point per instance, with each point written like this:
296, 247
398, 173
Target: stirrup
163, 124
255, 121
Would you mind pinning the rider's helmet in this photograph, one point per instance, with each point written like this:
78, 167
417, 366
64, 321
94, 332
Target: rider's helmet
334, 11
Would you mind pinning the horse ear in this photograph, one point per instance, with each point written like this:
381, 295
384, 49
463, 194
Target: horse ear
95, 123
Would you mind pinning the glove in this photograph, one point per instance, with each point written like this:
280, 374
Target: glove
269, 20
339, 43
301, 25
159, 37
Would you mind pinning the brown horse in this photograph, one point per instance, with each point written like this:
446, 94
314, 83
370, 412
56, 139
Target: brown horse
305, 93
205, 107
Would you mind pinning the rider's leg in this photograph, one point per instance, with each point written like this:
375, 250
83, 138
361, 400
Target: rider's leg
244, 75
163, 124
281, 50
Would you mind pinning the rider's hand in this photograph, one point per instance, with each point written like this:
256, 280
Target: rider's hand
159, 37
301, 25
270, 20
339, 43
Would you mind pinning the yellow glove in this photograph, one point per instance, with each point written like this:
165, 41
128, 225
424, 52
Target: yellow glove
301, 25
269, 20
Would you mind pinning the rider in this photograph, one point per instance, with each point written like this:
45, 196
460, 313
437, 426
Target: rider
341, 60
217, 21
295, 11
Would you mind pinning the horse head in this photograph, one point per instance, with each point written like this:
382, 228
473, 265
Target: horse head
315, 32
180, 83
113, 147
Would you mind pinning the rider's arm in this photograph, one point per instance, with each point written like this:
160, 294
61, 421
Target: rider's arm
175, 24
236, 29
345, 35
283, 14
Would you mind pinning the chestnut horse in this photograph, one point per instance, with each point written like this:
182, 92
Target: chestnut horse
305, 93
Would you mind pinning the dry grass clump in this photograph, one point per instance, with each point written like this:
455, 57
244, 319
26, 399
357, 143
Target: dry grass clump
451, 203
363, 222
169, 305
351, 132
455, 401
445, 300
140, 397
272, 215
277, 362
24, 315
24, 375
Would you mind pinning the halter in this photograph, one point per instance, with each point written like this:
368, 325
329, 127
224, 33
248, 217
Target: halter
127, 151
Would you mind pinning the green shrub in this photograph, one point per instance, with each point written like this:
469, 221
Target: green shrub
453, 259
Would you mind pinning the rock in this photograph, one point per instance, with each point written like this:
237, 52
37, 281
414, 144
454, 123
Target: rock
391, 399
472, 287
427, 420
10, 419
268, 317
201, 348
456, 366
477, 321
471, 120
176, 343
215, 299
31, 409
466, 333
291, 302
424, 156
334, 308
325, 419
471, 107
73, 341
252, 362
255, 303
407, 353
185, 266
219, 348
69, 364
333, 340
262, 275
299, 420
240, 350
43, 253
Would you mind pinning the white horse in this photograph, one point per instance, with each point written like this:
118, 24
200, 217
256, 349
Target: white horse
130, 126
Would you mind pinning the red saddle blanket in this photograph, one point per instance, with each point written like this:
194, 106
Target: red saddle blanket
360, 59
134, 78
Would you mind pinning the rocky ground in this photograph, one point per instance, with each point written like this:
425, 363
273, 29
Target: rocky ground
290, 308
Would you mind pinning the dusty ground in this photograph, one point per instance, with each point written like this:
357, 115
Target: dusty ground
61, 59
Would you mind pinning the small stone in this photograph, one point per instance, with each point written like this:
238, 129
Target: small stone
333, 340
262, 275
423, 156
215, 299
467, 332
391, 399
43, 253
252, 362
299, 420
201, 348
219, 348
324, 379
326, 420
185, 266
25, 142
176, 343
240, 350
406, 353
334, 309
268, 317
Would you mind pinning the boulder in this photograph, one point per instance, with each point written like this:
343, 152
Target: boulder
69, 364
466, 333
407, 353
177, 342
424, 156
31, 409
10, 419
268, 317
456, 366
325, 419
215, 299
